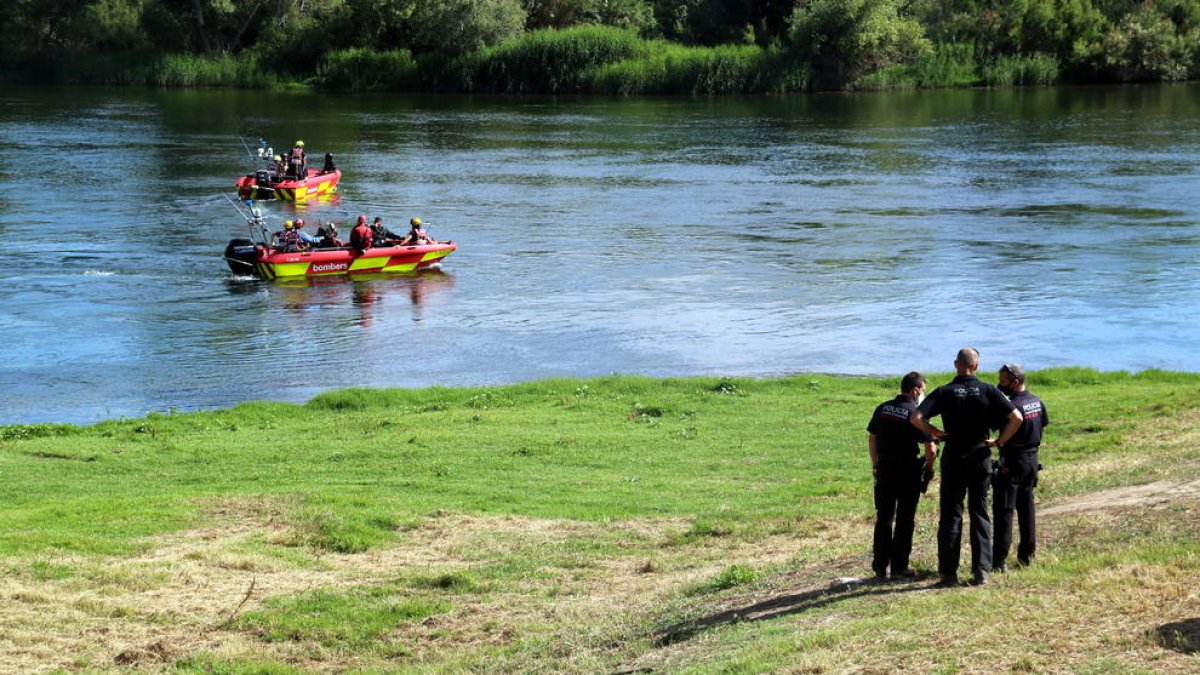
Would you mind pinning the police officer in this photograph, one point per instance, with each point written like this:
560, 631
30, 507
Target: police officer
897, 463
970, 409
1017, 473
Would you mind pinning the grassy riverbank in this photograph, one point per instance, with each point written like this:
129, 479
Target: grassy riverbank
577, 526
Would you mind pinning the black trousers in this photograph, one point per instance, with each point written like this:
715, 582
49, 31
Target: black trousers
966, 473
897, 491
1014, 492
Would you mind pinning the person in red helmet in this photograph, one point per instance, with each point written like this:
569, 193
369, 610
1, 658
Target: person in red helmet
361, 237
306, 239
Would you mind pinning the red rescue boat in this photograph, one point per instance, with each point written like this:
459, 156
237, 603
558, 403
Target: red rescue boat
264, 185
246, 257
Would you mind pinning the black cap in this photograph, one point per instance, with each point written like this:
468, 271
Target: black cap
1015, 370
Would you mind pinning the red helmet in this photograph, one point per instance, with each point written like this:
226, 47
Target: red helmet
299, 224
362, 219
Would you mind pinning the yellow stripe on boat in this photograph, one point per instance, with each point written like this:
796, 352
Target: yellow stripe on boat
368, 264
298, 269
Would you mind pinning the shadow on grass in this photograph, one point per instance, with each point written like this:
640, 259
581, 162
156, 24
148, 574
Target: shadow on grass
1182, 636
785, 605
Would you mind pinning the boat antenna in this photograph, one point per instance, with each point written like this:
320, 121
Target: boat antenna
253, 220
264, 153
247, 147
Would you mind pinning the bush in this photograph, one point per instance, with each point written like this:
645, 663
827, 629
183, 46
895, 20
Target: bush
846, 39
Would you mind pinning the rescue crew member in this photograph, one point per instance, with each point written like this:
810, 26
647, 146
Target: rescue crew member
329, 236
277, 237
382, 234
1017, 473
329, 167
297, 165
969, 408
897, 462
290, 239
306, 239
276, 169
361, 237
416, 236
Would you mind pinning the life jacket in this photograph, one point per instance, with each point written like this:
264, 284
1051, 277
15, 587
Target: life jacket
291, 241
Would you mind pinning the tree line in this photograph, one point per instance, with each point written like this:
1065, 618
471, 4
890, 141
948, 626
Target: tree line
614, 46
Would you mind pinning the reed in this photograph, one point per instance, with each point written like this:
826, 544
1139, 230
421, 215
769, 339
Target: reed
727, 69
191, 70
545, 61
949, 65
367, 70
1009, 71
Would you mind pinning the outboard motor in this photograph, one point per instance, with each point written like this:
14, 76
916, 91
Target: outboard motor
241, 256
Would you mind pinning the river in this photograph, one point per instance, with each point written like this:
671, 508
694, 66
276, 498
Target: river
864, 233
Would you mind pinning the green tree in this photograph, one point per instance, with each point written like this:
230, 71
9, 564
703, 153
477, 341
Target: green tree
109, 26
459, 26
31, 27
633, 14
213, 26
1149, 46
713, 22
846, 39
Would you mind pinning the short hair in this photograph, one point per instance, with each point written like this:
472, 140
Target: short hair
968, 356
911, 380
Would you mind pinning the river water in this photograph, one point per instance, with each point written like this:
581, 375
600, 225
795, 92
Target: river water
863, 234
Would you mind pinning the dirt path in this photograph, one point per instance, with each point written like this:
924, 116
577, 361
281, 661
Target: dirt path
1154, 495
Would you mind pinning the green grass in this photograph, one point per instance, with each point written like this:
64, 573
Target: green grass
345, 620
567, 525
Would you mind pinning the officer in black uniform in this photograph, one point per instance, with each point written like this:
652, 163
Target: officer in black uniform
897, 463
1018, 471
970, 409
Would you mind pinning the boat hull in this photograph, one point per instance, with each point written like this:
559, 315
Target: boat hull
314, 186
327, 262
